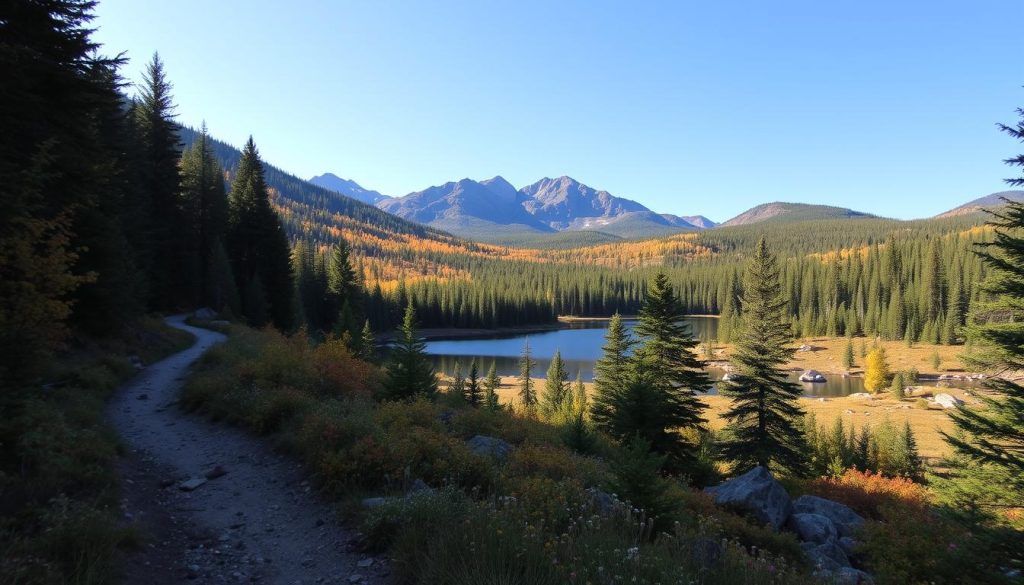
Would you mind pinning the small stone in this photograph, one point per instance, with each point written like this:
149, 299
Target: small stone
355, 578
217, 471
191, 484
365, 563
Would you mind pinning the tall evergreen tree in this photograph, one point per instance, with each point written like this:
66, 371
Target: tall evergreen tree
159, 148
611, 372
367, 343
343, 289
458, 383
257, 243
204, 212
221, 287
473, 391
491, 385
556, 387
763, 421
667, 351
409, 372
527, 394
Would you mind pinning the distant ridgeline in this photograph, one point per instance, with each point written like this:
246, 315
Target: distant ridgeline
843, 272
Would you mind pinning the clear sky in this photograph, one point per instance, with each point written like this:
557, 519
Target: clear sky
688, 107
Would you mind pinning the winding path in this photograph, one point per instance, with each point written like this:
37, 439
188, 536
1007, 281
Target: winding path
258, 522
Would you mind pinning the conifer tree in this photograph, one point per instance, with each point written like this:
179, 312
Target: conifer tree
159, 181
257, 241
992, 437
409, 372
876, 370
848, 355
611, 372
343, 289
763, 418
367, 343
458, 383
472, 391
667, 350
579, 395
221, 287
491, 385
556, 387
527, 395
204, 210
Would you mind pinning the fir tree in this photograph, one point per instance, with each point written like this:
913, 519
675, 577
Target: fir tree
848, 355
367, 343
491, 385
611, 372
472, 390
457, 387
158, 156
257, 240
763, 419
667, 351
343, 289
409, 372
204, 209
992, 437
556, 388
527, 395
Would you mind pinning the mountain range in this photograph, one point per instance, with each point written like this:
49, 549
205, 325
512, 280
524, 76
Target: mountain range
493, 209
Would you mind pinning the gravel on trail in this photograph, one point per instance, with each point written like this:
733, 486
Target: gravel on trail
214, 504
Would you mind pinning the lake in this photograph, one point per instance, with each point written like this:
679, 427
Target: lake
580, 343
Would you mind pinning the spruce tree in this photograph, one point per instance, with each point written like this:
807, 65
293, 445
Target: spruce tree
457, 387
409, 372
491, 385
527, 395
992, 437
204, 209
848, 355
763, 420
611, 372
367, 343
159, 181
472, 390
343, 290
257, 243
556, 387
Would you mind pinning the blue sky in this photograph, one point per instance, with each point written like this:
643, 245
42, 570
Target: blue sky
688, 107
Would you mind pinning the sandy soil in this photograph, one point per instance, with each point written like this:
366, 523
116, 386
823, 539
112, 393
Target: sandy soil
258, 522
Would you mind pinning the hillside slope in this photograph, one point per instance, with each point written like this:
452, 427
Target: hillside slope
987, 202
781, 211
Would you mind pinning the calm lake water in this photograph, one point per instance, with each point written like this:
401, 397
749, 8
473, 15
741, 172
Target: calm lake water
580, 343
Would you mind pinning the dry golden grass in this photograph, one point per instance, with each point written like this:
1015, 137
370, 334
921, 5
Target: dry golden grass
827, 355
927, 423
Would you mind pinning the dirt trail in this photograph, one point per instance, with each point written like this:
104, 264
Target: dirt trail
258, 522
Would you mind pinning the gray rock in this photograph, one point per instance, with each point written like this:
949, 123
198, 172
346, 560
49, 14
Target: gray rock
757, 492
191, 484
365, 563
827, 556
490, 447
603, 501
947, 400
851, 576
374, 502
849, 545
813, 376
846, 520
812, 527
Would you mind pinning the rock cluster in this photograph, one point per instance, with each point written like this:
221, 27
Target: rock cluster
827, 529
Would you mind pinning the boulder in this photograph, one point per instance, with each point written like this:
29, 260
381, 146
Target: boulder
813, 376
490, 447
827, 556
845, 520
851, 576
604, 502
849, 545
947, 400
756, 492
812, 527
